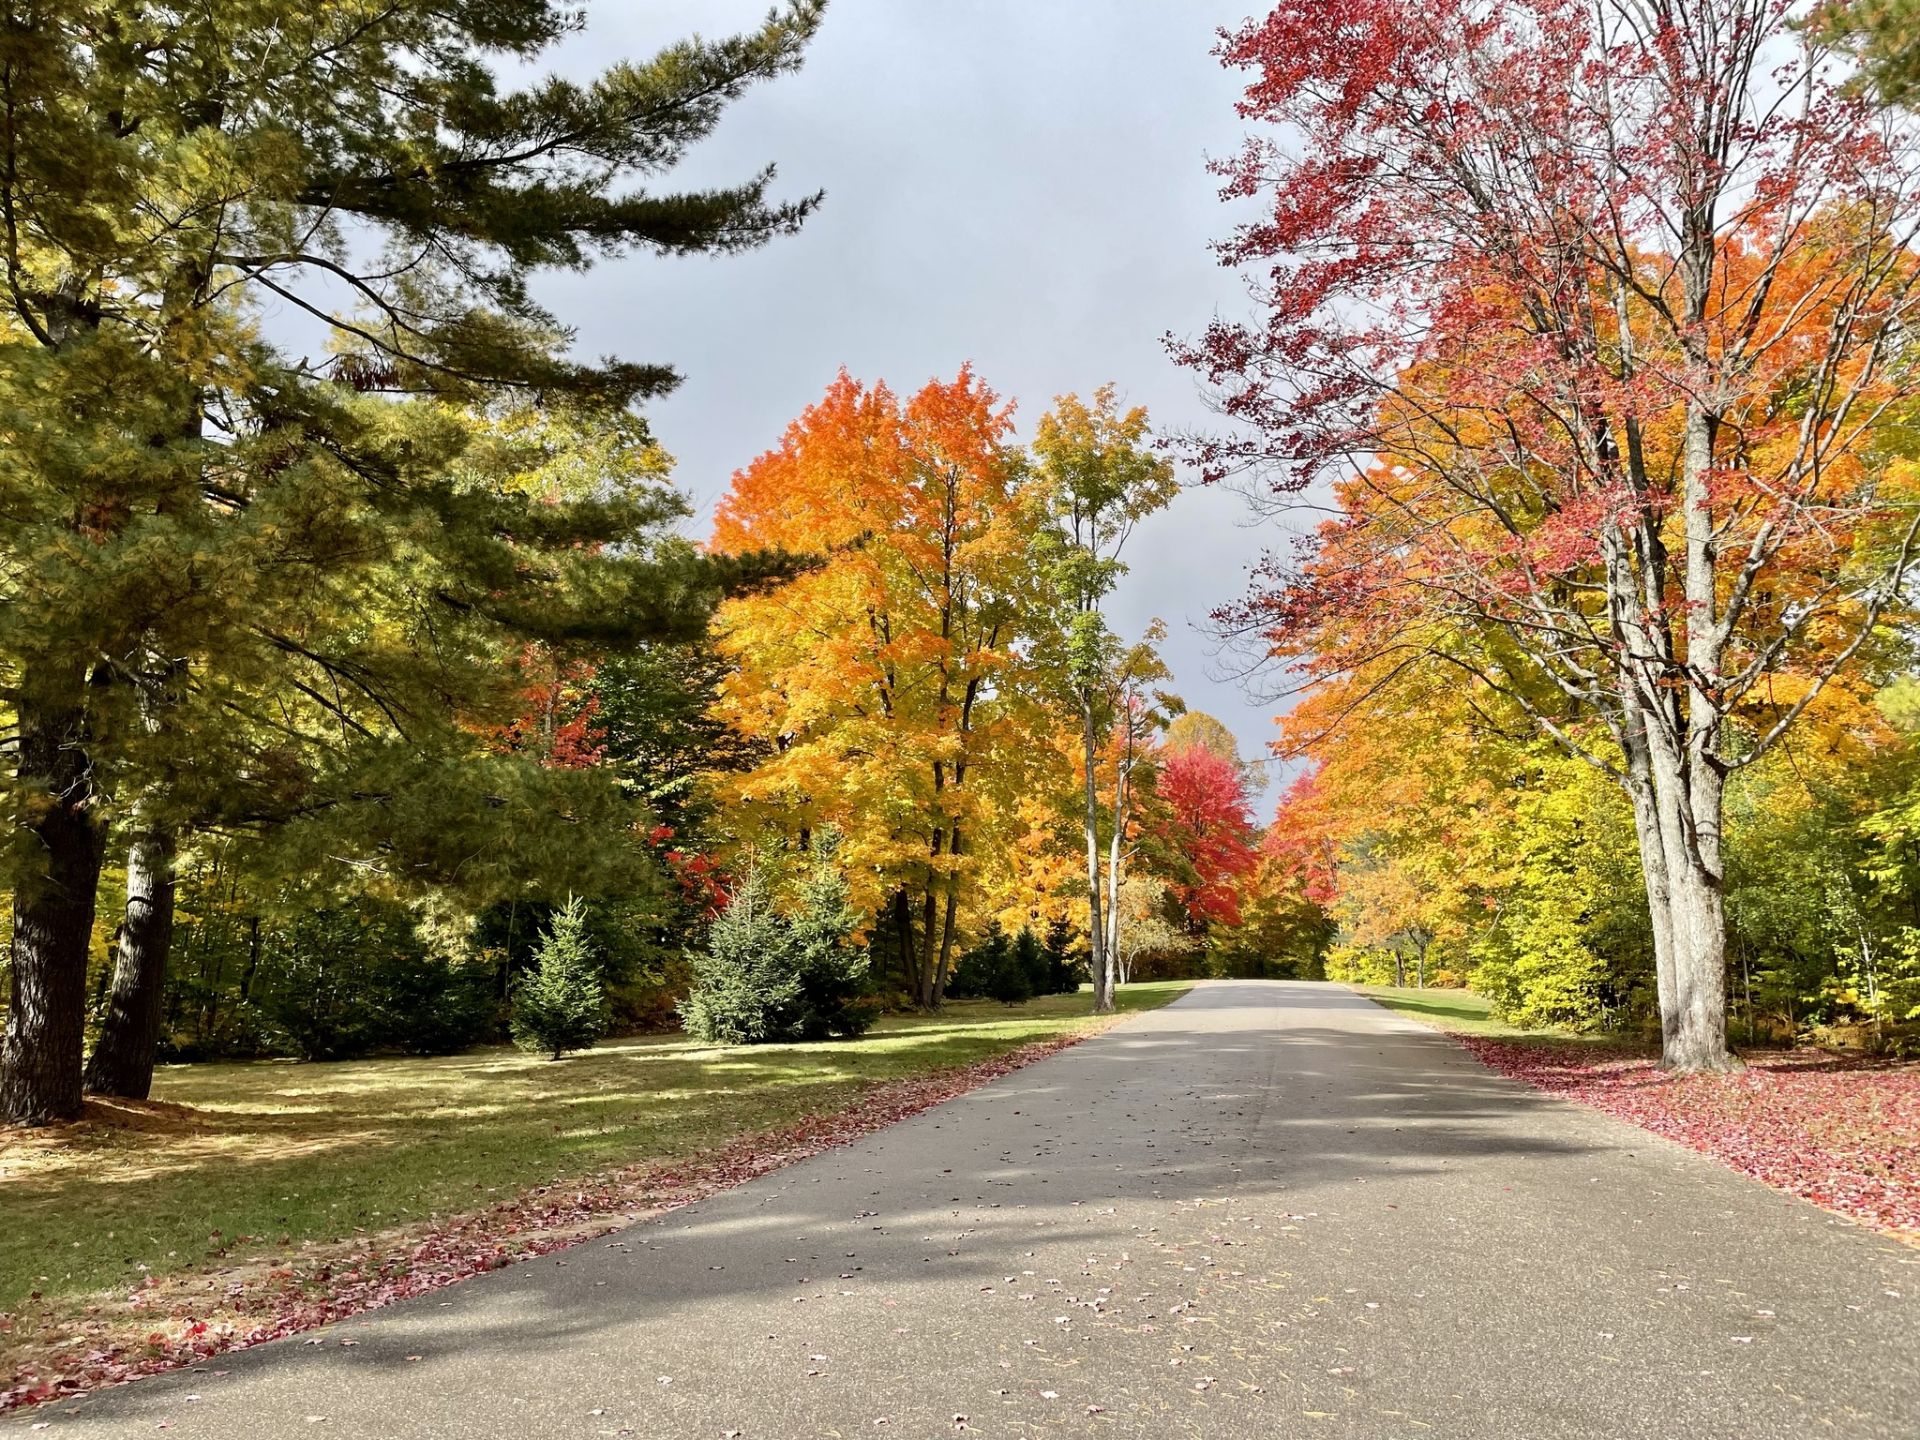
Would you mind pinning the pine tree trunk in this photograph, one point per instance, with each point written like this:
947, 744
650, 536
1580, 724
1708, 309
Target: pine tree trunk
54, 896
122, 1059
1096, 925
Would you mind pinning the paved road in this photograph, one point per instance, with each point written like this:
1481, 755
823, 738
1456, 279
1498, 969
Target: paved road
1271, 1209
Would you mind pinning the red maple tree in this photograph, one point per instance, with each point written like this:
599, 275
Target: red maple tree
1587, 311
1208, 825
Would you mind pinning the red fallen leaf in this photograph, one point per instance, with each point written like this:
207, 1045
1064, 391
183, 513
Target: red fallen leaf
1840, 1131
282, 1301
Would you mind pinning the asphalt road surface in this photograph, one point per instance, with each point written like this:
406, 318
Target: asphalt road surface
1270, 1209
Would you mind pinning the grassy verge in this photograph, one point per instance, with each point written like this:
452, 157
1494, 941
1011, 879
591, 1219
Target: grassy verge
1462, 1012
249, 1202
237, 1162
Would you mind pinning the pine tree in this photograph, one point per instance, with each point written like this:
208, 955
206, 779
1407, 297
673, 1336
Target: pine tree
1063, 970
562, 1005
1032, 962
223, 558
743, 994
770, 976
1007, 979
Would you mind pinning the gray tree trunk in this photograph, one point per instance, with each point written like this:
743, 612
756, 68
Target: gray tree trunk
1096, 922
1116, 864
122, 1059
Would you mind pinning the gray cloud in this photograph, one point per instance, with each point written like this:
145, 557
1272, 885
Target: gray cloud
1019, 183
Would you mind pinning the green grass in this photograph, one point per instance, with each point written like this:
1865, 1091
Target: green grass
1444, 1009
1471, 1014
282, 1152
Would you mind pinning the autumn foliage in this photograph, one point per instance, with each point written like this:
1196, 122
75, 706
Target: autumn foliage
1209, 823
1590, 322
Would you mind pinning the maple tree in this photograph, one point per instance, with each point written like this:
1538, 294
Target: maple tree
1209, 824
1598, 310
888, 682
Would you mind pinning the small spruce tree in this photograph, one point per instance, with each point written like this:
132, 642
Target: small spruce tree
1064, 970
1031, 959
562, 1004
770, 976
1006, 981
743, 994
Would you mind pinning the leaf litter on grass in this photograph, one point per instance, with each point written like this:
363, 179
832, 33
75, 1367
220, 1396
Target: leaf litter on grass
182, 1320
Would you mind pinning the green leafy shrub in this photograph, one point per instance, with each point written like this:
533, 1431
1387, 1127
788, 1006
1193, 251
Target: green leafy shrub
352, 980
562, 1004
770, 974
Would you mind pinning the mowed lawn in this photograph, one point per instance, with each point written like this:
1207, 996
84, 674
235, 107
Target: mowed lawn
1466, 1013
242, 1158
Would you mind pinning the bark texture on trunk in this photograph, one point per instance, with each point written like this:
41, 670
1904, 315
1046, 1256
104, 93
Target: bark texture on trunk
1096, 921
1677, 797
122, 1059
53, 904
1669, 731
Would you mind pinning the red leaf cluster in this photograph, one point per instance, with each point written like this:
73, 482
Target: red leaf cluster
1210, 826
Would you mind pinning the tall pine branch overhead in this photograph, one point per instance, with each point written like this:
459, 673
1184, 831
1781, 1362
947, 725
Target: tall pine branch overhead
197, 513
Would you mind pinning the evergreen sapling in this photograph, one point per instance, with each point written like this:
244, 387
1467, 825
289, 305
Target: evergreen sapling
562, 1005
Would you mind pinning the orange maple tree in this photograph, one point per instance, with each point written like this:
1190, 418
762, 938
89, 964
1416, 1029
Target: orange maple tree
889, 677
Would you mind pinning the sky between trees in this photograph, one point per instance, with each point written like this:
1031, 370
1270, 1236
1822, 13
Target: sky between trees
1007, 182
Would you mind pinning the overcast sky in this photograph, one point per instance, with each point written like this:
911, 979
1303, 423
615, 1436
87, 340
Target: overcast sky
1014, 183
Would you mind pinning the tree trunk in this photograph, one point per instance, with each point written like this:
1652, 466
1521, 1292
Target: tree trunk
1697, 783
1399, 969
923, 994
1096, 926
1672, 776
903, 935
122, 1059
1653, 872
945, 966
54, 895
253, 958
1116, 862
1687, 802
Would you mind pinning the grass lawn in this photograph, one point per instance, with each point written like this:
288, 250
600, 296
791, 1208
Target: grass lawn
241, 1160
1448, 1009
1466, 1013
